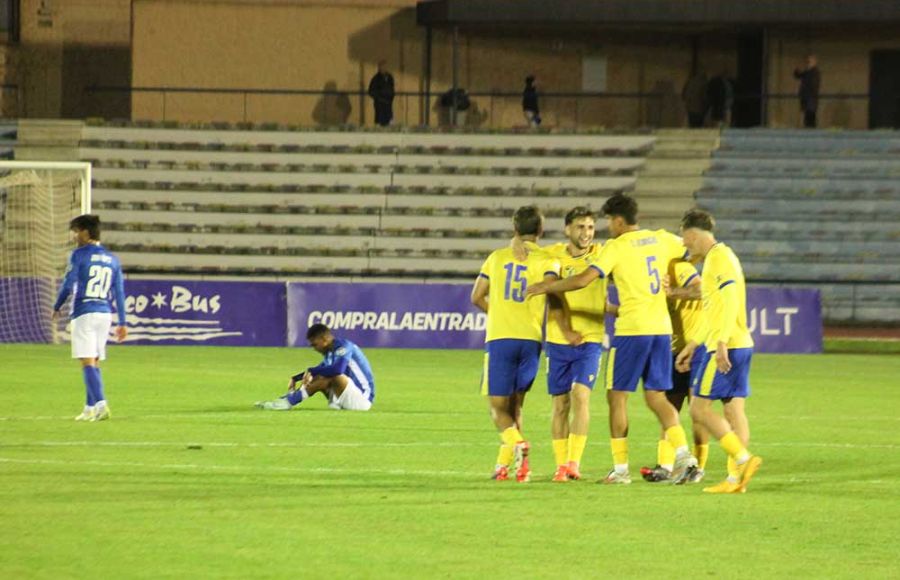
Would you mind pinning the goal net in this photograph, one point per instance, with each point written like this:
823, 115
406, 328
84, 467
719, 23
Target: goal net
37, 201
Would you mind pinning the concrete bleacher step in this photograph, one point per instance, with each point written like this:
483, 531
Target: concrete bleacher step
363, 160
377, 139
661, 167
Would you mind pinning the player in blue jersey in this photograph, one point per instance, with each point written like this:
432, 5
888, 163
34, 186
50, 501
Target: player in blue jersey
93, 271
344, 376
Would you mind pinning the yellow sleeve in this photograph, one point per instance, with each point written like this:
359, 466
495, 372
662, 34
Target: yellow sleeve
685, 272
724, 276
606, 260
701, 332
675, 246
486, 268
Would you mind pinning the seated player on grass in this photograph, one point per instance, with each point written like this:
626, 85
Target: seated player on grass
344, 376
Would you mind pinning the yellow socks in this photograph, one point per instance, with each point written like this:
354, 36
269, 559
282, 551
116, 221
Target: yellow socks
511, 436
676, 436
701, 452
620, 453
577, 444
734, 472
734, 448
665, 454
505, 456
561, 451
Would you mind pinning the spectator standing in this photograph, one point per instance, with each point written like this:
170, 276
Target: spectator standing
810, 79
530, 103
695, 102
720, 95
381, 89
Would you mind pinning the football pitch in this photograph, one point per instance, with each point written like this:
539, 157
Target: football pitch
189, 480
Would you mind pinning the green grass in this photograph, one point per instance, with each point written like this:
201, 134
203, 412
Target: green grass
862, 346
403, 491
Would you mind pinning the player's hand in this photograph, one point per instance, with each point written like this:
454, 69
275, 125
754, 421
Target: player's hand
121, 332
666, 285
55, 316
612, 309
573, 338
723, 364
684, 358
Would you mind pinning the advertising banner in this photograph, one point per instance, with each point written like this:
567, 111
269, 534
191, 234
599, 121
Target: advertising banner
785, 320
387, 315
782, 320
202, 312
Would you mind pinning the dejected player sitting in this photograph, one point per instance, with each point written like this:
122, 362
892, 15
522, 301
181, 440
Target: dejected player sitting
344, 376
93, 271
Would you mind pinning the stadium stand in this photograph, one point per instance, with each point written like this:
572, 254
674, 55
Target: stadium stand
814, 207
277, 202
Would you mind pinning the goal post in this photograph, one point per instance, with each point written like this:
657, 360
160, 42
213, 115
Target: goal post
37, 201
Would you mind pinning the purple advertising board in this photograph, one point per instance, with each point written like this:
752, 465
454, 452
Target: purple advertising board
782, 320
209, 313
387, 315
785, 320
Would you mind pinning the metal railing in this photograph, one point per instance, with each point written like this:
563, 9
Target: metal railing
489, 109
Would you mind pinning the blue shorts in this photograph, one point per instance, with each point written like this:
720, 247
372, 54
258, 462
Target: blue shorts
682, 382
709, 383
510, 366
572, 364
632, 358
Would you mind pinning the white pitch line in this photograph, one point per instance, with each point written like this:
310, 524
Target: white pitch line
255, 469
248, 468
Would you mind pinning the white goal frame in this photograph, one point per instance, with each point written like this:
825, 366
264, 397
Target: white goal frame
82, 166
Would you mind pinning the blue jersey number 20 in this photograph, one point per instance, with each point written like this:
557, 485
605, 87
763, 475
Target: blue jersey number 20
99, 280
654, 275
515, 282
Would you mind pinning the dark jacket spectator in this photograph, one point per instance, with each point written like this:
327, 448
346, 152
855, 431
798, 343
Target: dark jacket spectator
381, 89
530, 107
810, 79
720, 94
695, 99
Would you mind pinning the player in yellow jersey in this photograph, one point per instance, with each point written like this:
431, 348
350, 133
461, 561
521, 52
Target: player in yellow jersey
641, 348
514, 335
724, 373
574, 360
682, 286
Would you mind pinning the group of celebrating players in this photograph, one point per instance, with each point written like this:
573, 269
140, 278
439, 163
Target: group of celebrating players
677, 331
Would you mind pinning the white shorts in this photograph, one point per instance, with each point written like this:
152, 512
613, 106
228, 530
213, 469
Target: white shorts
89, 335
352, 399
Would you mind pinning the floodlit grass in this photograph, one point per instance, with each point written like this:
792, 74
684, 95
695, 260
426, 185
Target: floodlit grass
403, 491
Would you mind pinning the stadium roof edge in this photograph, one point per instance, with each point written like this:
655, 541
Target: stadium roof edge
591, 13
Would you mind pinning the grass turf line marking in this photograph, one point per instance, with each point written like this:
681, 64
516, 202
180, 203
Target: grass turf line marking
243, 468
480, 475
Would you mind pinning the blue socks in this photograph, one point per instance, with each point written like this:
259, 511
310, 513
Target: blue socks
297, 396
93, 384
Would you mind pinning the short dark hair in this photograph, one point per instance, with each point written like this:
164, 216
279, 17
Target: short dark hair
527, 220
317, 330
529, 80
698, 218
88, 222
578, 213
623, 206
